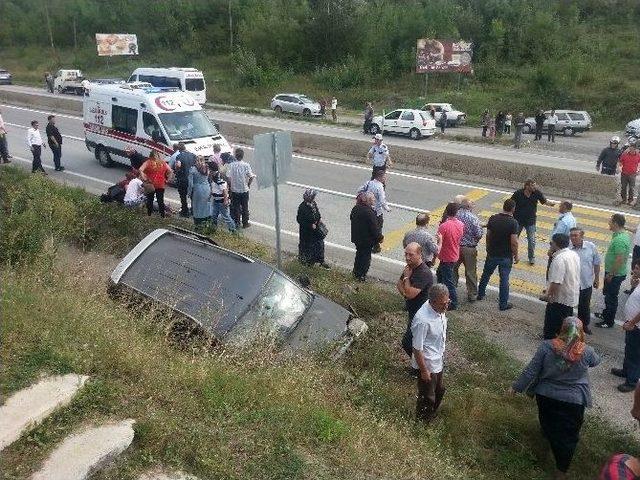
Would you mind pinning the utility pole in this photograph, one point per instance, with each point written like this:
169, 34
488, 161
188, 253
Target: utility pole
48, 19
230, 29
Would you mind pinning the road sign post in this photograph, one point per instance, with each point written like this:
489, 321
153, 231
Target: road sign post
272, 163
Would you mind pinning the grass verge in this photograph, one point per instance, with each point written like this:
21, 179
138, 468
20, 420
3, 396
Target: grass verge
250, 414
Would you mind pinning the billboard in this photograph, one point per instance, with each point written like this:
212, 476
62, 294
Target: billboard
443, 56
110, 44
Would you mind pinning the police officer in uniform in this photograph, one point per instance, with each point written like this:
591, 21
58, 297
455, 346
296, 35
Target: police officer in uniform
378, 155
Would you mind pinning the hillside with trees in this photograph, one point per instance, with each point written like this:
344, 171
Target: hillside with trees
527, 53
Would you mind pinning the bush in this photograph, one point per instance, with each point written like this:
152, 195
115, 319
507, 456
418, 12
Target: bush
352, 73
250, 73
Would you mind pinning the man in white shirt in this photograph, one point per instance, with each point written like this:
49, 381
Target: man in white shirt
589, 274
4, 150
552, 120
378, 155
376, 186
429, 330
34, 142
334, 107
630, 370
563, 285
240, 178
134, 194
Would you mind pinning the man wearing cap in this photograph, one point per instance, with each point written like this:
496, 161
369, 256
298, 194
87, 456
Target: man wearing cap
629, 161
378, 155
608, 158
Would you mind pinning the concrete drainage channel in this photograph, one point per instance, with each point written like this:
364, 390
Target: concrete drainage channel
82, 453
563, 182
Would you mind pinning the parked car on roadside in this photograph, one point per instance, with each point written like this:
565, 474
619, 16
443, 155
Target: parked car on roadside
233, 298
68, 81
633, 128
569, 123
454, 116
414, 123
295, 103
5, 77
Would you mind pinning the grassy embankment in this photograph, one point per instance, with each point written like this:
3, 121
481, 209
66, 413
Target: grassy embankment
611, 100
249, 414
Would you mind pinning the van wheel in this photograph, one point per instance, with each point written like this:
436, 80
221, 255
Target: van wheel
59, 89
306, 112
278, 109
103, 157
415, 134
567, 132
374, 128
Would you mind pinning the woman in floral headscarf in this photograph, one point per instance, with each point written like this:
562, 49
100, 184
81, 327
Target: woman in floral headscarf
558, 376
312, 230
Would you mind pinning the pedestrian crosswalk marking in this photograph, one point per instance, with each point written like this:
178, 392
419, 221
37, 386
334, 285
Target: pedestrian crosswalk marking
582, 221
393, 239
549, 226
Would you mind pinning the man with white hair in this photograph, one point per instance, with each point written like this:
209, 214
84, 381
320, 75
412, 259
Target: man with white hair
469, 248
429, 330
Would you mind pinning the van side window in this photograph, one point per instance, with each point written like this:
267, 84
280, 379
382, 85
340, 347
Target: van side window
194, 84
124, 119
151, 127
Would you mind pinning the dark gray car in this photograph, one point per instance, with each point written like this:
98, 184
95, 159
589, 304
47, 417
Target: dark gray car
232, 297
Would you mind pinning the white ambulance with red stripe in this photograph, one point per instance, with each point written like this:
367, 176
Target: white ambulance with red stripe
143, 117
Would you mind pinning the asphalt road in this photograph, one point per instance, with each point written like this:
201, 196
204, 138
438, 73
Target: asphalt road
577, 153
337, 182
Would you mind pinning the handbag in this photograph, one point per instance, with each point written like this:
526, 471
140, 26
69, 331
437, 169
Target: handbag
321, 230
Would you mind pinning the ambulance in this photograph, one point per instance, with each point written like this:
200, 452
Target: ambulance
145, 118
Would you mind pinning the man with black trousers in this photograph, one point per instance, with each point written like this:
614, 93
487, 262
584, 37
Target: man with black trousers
184, 161
366, 232
539, 118
413, 285
563, 286
54, 139
35, 144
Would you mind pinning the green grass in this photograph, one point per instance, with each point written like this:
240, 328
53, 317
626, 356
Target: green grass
221, 413
611, 101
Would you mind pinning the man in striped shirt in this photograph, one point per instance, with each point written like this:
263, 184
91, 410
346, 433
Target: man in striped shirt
469, 248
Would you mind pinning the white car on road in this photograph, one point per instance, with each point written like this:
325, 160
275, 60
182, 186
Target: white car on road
415, 123
455, 117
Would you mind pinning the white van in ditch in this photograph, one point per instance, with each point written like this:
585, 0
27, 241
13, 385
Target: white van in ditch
186, 79
117, 117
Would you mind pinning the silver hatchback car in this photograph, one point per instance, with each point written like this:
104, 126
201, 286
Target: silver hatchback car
295, 103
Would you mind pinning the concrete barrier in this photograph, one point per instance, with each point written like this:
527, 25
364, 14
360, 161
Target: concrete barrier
561, 182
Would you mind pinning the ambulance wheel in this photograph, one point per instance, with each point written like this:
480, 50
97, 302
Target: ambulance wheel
103, 157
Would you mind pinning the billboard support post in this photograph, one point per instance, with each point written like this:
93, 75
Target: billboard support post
276, 200
426, 85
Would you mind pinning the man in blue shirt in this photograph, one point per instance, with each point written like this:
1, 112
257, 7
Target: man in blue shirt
589, 273
566, 221
468, 247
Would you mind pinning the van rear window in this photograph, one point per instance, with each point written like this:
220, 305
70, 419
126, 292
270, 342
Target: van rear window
194, 84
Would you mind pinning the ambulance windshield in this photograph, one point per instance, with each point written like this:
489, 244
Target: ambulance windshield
188, 125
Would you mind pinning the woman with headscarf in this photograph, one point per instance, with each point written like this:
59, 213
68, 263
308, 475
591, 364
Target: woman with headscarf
199, 190
558, 376
311, 246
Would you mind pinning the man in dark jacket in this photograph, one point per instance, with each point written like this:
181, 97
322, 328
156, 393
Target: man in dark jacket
184, 161
540, 118
608, 158
365, 233
135, 158
54, 139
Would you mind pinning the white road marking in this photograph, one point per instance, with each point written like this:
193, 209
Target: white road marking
390, 261
362, 167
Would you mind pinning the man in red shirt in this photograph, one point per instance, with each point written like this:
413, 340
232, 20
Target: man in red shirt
629, 162
451, 229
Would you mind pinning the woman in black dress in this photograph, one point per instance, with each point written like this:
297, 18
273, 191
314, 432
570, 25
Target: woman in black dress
311, 246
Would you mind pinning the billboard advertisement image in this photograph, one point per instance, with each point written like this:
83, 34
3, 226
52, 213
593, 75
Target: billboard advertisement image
443, 56
110, 44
